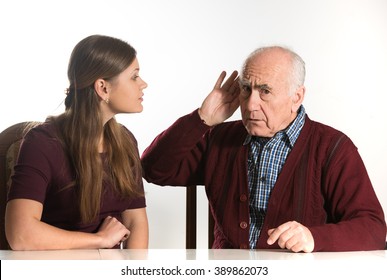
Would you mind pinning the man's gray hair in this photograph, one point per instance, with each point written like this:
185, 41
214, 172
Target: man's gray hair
297, 74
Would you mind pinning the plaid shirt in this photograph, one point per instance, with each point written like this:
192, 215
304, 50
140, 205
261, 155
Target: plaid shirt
266, 158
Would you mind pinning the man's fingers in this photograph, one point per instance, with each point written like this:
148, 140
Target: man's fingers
274, 234
292, 236
230, 81
219, 82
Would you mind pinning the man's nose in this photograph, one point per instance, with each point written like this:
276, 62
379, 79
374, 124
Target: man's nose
254, 101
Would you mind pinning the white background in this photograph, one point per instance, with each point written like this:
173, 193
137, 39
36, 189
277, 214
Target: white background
182, 47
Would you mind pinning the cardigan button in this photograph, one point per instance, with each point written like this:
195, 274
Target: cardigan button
243, 225
243, 198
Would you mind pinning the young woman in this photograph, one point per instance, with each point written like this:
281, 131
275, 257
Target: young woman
77, 182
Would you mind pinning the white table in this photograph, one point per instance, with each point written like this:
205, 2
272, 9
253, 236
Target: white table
112, 264
182, 254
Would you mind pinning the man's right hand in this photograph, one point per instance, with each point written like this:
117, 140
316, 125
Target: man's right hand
222, 101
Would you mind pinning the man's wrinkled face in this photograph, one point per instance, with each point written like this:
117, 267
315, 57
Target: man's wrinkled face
267, 105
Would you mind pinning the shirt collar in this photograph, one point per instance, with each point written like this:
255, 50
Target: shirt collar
292, 131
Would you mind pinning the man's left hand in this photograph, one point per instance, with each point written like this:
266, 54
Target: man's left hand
292, 236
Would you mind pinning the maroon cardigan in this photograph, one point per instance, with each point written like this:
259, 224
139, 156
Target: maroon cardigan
324, 184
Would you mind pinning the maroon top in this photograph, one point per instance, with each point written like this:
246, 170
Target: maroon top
323, 185
41, 172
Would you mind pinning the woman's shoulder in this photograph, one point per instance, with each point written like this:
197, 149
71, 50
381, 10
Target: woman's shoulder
41, 146
43, 133
42, 129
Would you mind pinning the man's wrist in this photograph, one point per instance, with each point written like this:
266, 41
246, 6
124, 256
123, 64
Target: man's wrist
203, 118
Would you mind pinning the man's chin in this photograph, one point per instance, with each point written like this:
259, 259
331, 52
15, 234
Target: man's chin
259, 132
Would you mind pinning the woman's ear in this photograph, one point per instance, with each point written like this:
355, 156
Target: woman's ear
298, 98
100, 87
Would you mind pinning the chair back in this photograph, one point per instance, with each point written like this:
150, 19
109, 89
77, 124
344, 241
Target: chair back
191, 217
10, 140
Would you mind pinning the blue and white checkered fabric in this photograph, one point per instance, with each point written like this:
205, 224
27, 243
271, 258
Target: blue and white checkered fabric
266, 158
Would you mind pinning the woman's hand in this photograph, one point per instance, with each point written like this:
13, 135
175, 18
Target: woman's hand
26, 231
112, 232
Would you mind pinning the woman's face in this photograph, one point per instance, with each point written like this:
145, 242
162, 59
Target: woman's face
125, 91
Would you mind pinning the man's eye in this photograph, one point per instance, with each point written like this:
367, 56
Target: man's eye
246, 88
265, 91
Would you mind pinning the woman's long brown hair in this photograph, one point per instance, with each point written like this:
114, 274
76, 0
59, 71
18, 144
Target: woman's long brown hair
80, 126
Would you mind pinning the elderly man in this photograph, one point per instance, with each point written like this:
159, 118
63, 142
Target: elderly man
276, 179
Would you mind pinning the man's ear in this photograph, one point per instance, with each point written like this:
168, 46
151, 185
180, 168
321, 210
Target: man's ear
298, 98
100, 87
